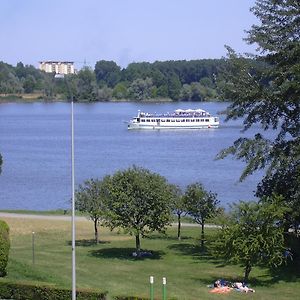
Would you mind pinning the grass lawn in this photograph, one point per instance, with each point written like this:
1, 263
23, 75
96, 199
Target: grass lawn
108, 266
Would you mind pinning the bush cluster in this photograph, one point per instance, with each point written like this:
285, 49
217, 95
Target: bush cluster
4, 247
20, 291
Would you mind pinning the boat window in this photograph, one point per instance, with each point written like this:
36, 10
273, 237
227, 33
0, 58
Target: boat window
142, 120
157, 120
177, 120
206, 120
193, 120
183, 120
162, 120
216, 120
202, 120
172, 120
168, 120
148, 120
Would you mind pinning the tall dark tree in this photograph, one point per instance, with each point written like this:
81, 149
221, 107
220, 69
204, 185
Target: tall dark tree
270, 96
86, 85
107, 72
138, 201
201, 205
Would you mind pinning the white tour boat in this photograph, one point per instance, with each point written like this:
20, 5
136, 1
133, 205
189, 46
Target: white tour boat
179, 119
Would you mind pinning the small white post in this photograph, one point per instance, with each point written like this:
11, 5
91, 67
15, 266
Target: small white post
164, 281
151, 288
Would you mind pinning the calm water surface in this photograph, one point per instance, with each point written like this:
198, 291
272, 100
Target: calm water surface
35, 145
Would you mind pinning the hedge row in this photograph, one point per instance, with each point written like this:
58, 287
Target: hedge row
19, 291
129, 298
4, 247
134, 298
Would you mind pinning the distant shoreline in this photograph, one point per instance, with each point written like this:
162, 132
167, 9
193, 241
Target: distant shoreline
32, 98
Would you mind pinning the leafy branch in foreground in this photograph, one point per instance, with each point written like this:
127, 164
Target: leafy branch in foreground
265, 91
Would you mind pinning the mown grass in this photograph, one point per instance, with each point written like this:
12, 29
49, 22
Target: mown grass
110, 266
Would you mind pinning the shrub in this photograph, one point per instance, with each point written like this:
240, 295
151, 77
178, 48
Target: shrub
4, 247
20, 291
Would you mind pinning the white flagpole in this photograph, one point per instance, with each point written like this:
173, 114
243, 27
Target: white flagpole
73, 205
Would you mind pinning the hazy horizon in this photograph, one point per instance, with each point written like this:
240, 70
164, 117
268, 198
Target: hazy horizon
122, 31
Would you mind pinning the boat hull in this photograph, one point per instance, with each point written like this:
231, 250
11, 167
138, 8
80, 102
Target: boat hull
138, 126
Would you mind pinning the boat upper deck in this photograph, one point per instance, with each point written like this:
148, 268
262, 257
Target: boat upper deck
189, 113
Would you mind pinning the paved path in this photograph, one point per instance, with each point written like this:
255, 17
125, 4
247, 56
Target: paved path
68, 218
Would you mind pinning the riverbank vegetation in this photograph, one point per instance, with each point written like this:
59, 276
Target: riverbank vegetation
169, 80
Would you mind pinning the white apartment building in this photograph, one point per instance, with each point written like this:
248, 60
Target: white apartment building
57, 67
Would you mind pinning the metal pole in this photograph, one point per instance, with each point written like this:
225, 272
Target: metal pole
164, 288
73, 205
33, 248
151, 288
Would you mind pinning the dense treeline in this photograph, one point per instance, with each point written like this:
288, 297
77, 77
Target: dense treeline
195, 80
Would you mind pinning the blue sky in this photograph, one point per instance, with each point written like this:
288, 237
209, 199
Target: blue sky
124, 31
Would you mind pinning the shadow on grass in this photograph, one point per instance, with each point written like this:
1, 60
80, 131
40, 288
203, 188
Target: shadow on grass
193, 250
87, 243
125, 253
166, 237
285, 273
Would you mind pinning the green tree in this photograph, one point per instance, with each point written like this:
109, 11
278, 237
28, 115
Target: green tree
138, 201
252, 235
185, 93
269, 95
200, 204
174, 86
162, 91
105, 93
29, 84
90, 198
87, 87
107, 72
120, 91
141, 89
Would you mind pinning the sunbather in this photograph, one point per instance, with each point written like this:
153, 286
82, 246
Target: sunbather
243, 288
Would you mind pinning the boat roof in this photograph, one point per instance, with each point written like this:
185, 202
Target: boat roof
189, 111
178, 113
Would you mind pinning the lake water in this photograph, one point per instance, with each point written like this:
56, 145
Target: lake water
35, 145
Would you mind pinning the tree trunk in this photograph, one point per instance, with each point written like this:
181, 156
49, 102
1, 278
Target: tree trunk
96, 230
202, 235
247, 272
138, 245
179, 227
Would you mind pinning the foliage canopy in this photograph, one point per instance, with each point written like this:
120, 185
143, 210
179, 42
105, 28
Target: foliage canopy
137, 201
90, 198
253, 234
200, 204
